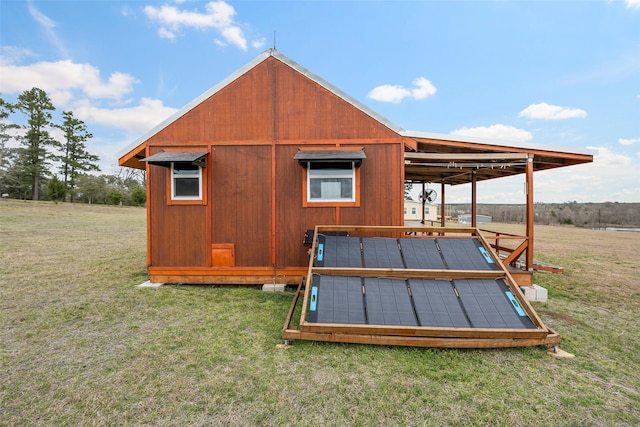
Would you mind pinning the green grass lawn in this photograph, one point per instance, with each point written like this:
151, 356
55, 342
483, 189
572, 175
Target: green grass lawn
80, 344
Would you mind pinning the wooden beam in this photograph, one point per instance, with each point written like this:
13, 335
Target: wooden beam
442, 206
421, 331
406, 273
474, 210
515, 254
436, 342
297, 295
376, 229
473, 157
530, 213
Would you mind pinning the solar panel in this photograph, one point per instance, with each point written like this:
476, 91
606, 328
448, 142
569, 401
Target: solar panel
388, 302
459, 303
436, 304
339, 251
465, 254
379, 252
488, 304
421, 254
336, 299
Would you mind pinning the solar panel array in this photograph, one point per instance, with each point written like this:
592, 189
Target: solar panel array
381, 252
458, 303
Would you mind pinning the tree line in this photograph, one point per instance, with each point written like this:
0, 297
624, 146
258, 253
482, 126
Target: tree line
38, 166
591, 215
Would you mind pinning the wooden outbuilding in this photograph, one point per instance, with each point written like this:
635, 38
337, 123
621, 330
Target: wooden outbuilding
238, 176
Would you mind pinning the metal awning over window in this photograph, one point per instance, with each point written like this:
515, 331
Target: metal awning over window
304, 156
165, 158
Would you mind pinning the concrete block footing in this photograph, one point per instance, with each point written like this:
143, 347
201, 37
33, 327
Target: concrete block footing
274, 287
535, 293
149, 284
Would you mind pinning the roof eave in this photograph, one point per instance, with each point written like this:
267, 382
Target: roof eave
191, 105
586, 155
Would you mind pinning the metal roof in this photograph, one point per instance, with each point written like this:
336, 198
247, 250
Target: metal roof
493, 141
165, 158
304, 156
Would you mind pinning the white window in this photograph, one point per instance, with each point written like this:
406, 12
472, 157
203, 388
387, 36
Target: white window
413, 211
331, 182
186, 181
426, 210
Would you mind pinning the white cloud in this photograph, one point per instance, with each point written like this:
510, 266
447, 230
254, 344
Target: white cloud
546, 111
611, 177
218, 15
60, 79
632, 141
136, 119
166, 34
80, 87
395, 93
633, 4
13, 54
259, 43
497, 131
48, 26
388, 93
235, 36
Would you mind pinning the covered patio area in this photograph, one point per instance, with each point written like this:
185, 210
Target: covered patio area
454, 160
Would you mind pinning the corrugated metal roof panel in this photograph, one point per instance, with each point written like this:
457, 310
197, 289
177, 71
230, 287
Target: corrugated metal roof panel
165, 158
329, 155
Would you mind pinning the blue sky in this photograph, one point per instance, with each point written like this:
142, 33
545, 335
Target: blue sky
561, 74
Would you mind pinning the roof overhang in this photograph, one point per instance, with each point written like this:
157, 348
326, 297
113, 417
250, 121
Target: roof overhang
132, 158
456, 160
305, 156
166, 158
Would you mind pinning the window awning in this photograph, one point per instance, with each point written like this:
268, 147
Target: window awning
165, 158
304, 156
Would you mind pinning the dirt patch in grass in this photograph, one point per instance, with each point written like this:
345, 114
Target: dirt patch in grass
559, 316
81, 345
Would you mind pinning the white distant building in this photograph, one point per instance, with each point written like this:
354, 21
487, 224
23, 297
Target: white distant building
480, 219
413, 211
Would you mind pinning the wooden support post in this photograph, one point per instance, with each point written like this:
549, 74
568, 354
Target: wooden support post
474, 211
442, 206
424, 201
530, 213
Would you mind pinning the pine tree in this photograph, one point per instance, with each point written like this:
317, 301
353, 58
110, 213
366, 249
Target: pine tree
6, 154
75, 158
33, 156
56, 190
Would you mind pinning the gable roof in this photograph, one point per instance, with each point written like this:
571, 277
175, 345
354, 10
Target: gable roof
130, 155
545, 157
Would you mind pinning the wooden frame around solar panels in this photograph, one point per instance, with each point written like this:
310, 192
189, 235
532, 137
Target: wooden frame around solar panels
414, 335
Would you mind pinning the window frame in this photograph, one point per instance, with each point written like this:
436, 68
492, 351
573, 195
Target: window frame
173, 199
354, 174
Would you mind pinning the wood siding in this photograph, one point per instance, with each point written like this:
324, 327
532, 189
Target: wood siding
241, 202
177, 234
